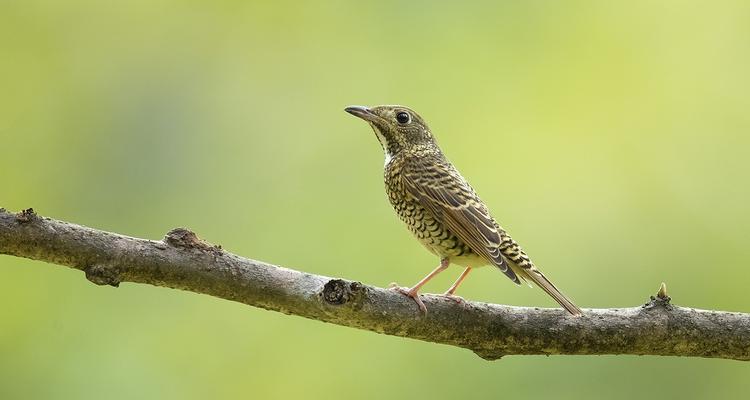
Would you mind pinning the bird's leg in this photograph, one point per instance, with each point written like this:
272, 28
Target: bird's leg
413, 292
449, 294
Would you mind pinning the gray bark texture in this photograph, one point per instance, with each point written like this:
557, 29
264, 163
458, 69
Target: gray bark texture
183, 261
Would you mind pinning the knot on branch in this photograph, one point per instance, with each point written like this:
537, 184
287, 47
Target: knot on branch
26, 215
185, 238
338, 292
102, 276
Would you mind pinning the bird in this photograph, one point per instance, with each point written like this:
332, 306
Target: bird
441, 209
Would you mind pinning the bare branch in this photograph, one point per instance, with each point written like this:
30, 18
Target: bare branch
181, 260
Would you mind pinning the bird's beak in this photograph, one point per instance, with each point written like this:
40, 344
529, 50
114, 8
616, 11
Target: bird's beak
361, 112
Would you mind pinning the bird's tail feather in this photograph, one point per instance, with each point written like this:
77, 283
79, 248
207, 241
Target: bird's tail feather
540, 280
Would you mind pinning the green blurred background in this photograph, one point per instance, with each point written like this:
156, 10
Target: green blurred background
610, 138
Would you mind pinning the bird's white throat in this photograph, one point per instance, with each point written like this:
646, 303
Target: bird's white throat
388, 158
384, 144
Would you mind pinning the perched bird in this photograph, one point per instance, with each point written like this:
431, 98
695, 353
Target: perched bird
440, 207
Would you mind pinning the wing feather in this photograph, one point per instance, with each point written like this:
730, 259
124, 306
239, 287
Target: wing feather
440, 189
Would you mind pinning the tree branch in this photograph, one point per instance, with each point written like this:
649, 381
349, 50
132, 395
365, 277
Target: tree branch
183, 261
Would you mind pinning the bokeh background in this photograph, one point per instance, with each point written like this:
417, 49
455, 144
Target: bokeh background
610, 138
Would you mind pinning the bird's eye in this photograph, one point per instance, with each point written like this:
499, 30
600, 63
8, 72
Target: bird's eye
403, 117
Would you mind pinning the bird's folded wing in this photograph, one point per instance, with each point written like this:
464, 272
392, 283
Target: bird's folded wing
439, 188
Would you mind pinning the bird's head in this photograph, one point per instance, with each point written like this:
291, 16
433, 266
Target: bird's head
397, 127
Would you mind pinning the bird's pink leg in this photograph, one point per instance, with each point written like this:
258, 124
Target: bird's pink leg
413, 292
455, 285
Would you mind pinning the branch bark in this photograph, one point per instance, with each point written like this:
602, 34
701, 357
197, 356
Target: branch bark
183, 261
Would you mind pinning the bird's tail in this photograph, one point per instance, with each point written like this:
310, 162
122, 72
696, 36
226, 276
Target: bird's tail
540, 280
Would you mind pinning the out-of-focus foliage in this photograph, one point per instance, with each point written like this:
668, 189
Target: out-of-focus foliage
610, 138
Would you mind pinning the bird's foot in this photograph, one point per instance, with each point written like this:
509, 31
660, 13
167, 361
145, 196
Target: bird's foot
451, 296
409, 292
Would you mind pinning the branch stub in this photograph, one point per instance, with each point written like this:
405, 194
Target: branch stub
26, 215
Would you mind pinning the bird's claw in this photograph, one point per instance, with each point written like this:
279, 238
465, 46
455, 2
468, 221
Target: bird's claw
414, 294
451, 296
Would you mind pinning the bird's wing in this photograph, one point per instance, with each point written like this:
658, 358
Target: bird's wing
440, 189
